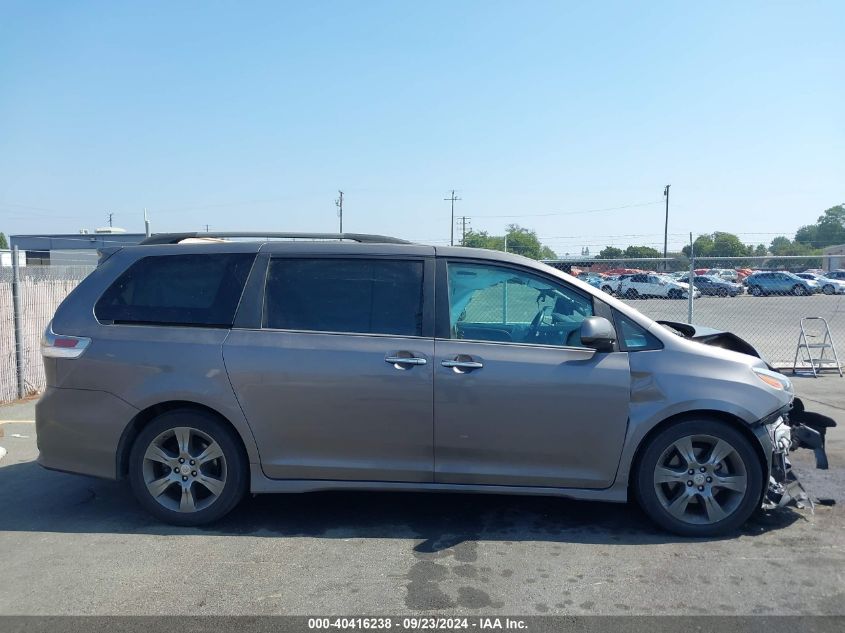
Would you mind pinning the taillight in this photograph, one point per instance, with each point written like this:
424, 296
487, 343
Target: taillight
61, 346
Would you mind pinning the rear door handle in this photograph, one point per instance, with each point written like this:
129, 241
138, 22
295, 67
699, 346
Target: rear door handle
405, 360
462, 364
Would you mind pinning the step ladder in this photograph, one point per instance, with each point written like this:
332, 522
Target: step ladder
805, 349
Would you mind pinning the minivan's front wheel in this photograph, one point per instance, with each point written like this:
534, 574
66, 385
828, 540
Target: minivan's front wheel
186, 467
699, 478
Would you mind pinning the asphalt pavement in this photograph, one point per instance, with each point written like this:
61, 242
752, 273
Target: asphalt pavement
75, 545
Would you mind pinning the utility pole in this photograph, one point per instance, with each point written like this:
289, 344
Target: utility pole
464, 221
452, 199
666, 229
206, 228
339, 204
146, 223
111, 217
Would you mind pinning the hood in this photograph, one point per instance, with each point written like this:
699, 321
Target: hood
720, 339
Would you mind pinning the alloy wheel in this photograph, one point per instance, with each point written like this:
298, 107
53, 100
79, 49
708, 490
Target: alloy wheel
184, 469
700, 479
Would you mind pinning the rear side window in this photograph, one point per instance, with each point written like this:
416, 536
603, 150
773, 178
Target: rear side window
201, 290
345, 295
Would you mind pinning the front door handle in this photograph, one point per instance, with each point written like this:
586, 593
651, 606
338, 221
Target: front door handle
462, 364
404, 360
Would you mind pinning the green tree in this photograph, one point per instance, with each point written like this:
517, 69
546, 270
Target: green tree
703, 246
641, 251
828, 230
781, 245
728, 245
547, 253
481, 239
611, 252
784, 247
4, 245
760, 250
520, 240
719, 244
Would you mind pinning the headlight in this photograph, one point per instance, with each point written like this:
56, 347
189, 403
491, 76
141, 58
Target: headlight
773, 379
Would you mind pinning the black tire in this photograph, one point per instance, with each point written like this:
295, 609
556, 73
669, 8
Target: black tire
723, 292
799, 290
674, 293
631, 293
607, 289
829, 289
742, 504
234, 461
756, 291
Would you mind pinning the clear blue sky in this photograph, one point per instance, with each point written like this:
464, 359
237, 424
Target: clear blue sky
252, 114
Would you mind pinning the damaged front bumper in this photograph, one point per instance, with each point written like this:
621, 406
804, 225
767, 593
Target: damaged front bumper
787, 430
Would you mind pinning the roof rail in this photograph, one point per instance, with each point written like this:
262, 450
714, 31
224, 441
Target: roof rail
175, 238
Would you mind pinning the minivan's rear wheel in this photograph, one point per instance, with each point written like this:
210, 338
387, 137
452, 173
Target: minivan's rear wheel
187, 467
756, 291
699, 478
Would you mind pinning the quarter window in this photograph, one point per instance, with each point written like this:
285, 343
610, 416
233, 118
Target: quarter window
345, 295
492, 303
200, 290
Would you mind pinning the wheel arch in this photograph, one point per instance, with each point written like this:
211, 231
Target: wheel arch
147, 415
734, 421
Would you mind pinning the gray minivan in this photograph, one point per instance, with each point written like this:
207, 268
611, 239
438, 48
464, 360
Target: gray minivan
201, 369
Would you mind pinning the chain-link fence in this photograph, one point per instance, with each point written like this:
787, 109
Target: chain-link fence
34, 293
760, 299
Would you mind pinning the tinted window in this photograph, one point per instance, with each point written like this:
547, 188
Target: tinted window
196, 289
345, 295
492, 303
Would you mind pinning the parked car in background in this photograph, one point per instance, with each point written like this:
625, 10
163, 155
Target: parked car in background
594, 279
836, 274
654, 285
728, 274
714, 286
827, 285
613, 282
202, 372
779, 283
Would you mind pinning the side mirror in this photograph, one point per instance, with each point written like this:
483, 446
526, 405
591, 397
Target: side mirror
598, 333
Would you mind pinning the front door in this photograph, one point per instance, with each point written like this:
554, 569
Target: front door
337, 382
518, 400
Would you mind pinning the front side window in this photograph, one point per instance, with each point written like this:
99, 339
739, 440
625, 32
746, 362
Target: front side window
359, 296
632, 337
493, 303
201, 289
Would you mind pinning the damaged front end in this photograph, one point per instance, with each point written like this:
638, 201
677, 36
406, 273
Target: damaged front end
788, 429
784, 486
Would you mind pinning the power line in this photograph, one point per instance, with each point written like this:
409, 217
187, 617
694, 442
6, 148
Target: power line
577, 212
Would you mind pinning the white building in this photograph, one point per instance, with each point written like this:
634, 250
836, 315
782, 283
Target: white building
6, 258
